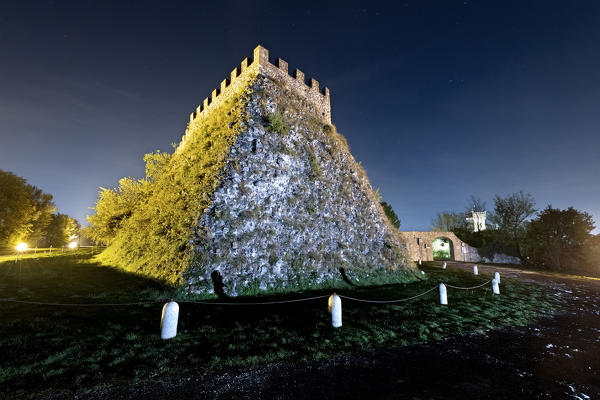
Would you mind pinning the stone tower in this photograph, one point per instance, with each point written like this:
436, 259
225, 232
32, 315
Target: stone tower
477, 219
290, 207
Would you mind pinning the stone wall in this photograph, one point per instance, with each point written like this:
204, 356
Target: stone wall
420, 246
292, 207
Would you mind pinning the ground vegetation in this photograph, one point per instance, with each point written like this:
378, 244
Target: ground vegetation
50, 351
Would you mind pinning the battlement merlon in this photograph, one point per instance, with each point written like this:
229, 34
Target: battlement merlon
279, 70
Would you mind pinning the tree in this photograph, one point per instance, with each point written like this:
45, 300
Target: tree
557, 239
60, 230
113, 208
25, 210
511, 214
592, 255
447, 221
475, 204
390, 214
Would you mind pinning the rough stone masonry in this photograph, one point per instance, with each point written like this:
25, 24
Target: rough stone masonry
292, 208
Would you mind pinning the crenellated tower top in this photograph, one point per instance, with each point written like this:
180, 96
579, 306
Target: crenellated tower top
259, 64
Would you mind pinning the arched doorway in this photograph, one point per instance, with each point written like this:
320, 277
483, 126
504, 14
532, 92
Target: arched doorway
443, 249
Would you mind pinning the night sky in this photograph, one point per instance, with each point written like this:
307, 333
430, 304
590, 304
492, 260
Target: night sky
439, 100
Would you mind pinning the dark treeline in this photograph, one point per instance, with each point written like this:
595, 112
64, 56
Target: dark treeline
27, 214
553, 239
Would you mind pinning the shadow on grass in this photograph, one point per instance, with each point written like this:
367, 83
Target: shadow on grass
72, 275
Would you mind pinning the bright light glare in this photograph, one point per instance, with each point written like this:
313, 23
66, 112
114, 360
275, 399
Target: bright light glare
22, 246
72, 245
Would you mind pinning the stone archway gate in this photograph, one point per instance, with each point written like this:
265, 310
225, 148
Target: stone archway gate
420, 246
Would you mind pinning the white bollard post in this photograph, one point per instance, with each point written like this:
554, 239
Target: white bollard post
336, 311
475, 270
497, 277
168, 320
444, 266
443, 294
419, 261
495, 287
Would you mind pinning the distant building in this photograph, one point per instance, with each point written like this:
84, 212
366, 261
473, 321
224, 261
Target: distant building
477, 219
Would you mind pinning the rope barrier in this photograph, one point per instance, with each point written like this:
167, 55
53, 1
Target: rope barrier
387, 301
413, 297
39, 303
242, 303
253, 303
468, 288
161, 301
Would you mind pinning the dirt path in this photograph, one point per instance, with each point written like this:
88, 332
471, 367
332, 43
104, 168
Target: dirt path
557, 357
533, 276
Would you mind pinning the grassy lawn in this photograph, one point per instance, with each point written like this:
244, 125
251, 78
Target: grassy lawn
50, 349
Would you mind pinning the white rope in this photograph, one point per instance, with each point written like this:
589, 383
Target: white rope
79, 304
388, 301
253, 303
413, 297
468, 288
160, 301
238, 304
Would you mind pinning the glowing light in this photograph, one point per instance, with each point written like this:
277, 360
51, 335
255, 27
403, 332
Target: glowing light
72, 245
21, 247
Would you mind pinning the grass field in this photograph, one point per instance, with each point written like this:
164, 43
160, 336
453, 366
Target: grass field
74, 350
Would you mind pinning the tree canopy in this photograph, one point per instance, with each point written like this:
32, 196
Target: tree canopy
558, 239
146, 223
447, 221
475, 204
25, 210
554, 239
116, 206
60, 230
511, 213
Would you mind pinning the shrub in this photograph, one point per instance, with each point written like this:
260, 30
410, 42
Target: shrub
314, 165
277, 123
163, 209
287, 150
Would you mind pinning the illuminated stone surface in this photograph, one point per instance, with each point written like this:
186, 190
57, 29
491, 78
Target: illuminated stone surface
291, 207
420, 246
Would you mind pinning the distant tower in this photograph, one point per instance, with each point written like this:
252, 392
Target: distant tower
478, 220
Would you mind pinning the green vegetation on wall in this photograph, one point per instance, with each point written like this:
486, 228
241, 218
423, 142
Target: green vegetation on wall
277, 123
390, 214
147, 223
